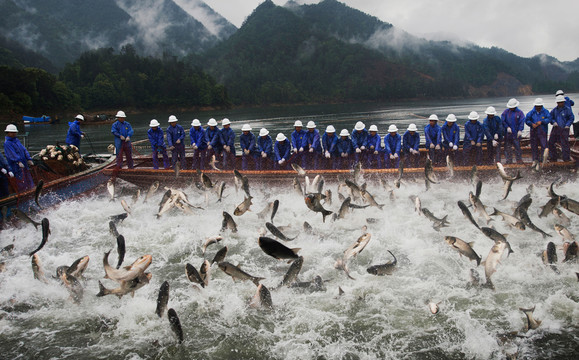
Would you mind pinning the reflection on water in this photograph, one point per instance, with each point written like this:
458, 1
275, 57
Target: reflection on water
281, 119
376, 317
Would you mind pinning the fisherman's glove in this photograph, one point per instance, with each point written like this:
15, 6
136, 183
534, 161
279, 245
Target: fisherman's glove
280, 162
311, 149
301, 149
519, 133
127, 139
496, 136
437, 147
362, 148
358, 150
4, 171
495, 143
21, 165
209, 147
10, 174
391, 157
395, 156
509, 130
82, 136
122, 137
344, 155
375, 152
567, 127
450, 144
455, 147
555, 124
263, 155
178, 141
432, 146
478, 144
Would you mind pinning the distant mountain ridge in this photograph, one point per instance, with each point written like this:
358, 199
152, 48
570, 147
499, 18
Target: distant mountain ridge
61, 30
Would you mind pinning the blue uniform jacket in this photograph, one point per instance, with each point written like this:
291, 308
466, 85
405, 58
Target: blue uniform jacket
213, 138
198, 138
535, 116
74, 134
282, 150
297, 139
492, 126
15, 152
513, 118
4, 163
473, 132
569, 102
312, 139
247, 142
156, 138
359, 139
344, 146
174, 134
450, 134
375, 141
228, 138
410, 141
265, 144
562, 116
329, 143
432, 135
121, 129
392, 144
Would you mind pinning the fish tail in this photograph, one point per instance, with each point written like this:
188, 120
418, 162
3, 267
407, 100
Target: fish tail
102, 290
489, 284
478, 260
257, 280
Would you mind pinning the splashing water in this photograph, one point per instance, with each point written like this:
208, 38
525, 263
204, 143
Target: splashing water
376, 317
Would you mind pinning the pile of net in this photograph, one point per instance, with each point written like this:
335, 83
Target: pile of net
63, 159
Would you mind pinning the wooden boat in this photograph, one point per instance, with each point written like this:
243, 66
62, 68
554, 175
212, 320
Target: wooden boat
143, 173
58, 187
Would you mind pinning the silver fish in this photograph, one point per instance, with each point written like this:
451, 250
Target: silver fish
22, 216
128, 272
73, 286
450, 165
152, 189
504, 175
175, 322
293, 272
532, 324
220, 188
298, 186
262, 298
478, 206
466, 213
212, 163
298, 169
37, 269
384, 269
220, 255
243, 207
463, 248
509, 219
561, 217
277, 232
564, 232
274, 210
210, 241
205, 271
429, 172
237, 274
193, 275
549, 206
228, 223
162, 299
493, 260
313, 204
126, 206
111, 188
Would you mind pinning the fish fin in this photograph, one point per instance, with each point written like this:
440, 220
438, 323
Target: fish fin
471, 244
102, 290
295, 250
257, 280
381, 206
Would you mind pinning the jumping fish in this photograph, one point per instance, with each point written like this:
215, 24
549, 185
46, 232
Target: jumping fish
277, 233
193, 275
298, 169
126, 206
111, 188
293, 271
384, 269
436, 222
564, 232
262, 298
274, 210
243, 207
466, 213
128, 272
549, 256
509, 219
276, 249
210, 241
120, 250
162, 299
532, 324
174, 321
152, 189
450, 165
22, 216
220, 255
429, 172
37, 269
45, 232
463, 248
212, 163
492, 261
316, 206
126, 287
73, 286
549, 206
228, 223
204, 272
478, 206
237, 274
38, 191
504, 175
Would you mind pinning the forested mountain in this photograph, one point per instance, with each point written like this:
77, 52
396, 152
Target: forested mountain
61, 30
331, 52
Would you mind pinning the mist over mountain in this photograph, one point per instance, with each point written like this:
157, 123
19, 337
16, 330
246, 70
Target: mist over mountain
61, 30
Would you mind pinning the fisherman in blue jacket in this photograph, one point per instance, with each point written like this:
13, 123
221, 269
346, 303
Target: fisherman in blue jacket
345, 148
514, 123
359, 141
297, 140
228, 141
157, 140
411, 145
450, 134
493, 128
312, 146
329, 145
473, 137
123, 131
375, 150
18, 158
265, 149
4, 177
562, 118
247, 142
213, 138
176, 142
538, 121
282, 152
392, 146
199, 145
74, 134
570, 103
433, 138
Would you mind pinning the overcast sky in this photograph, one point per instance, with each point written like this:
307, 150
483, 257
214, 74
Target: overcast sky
523, 27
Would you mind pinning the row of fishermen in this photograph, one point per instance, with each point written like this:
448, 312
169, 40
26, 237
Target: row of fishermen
308, 149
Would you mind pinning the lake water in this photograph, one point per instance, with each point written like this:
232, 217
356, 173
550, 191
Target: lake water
281, 119
376, 317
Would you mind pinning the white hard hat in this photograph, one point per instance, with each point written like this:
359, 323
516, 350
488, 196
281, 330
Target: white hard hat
344, 132
225, 121
538, 102
392, 128
298, 123
280, 137
513, 103
330, 129
196, 122
121, 113
11, 128
473, 115
154, 123
263, 132
212, 122
80, 117
412, 127
359, 126
173, 118
559, 92
490, 111
311, 125
451, 118
560, 98
433, 117
246, 127
373, 128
